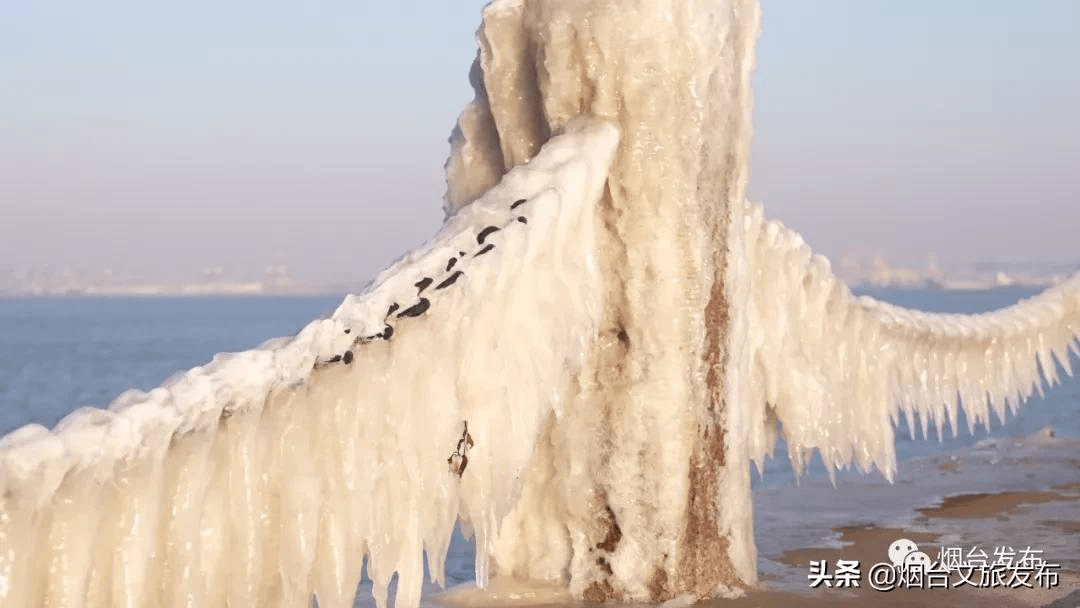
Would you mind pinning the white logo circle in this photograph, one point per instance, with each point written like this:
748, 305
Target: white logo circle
900, 550
917, 558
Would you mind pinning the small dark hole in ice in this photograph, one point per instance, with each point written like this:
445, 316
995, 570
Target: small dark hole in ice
392, 308
485, 233
486, 249
347, 330
450, 263
461, 254
388, 332
423, 283
521, 218
334, 359
347, 357
518, 203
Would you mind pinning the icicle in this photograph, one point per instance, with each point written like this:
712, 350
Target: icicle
853, 364
266, 476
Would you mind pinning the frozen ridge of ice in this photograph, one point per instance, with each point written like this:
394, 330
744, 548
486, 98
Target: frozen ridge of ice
836, 371
268, 475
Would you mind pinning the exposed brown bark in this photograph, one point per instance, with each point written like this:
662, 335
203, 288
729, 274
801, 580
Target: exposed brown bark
705, 560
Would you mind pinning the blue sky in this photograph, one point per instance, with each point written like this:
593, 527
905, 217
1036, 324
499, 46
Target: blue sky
170, 139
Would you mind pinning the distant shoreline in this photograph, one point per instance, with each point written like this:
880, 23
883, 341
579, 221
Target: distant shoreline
252, 291
173, 294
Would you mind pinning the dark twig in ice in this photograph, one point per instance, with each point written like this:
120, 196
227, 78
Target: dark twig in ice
416, 309
459, 459
449, 280
485, 233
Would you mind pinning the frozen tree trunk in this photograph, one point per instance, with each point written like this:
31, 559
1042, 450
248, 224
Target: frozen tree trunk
640, 488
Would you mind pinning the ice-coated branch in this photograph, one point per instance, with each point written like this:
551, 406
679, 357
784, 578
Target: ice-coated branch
837, 370
268, 475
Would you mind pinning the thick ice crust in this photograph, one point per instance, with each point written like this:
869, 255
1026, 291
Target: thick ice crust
270, 474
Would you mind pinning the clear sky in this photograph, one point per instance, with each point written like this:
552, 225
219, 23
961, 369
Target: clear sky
168, 139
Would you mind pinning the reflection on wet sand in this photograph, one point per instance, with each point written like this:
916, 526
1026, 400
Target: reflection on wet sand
1010, 493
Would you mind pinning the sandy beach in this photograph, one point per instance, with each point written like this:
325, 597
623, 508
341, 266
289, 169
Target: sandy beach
998, 495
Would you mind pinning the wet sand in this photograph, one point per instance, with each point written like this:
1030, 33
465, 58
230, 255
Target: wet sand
868, 544
989, 505
935, 504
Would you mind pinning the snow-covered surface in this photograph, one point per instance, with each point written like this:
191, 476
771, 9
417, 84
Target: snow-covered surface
269, 474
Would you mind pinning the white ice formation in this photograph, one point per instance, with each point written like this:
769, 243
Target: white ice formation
619, 330
836, 371
268, 475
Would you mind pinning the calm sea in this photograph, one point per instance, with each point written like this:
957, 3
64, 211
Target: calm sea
57, 354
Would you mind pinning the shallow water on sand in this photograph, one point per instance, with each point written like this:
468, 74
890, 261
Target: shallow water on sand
61, 353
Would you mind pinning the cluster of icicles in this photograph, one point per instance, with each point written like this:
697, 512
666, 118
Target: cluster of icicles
837, 370
269, 476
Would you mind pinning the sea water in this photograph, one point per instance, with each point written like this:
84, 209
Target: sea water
59, 353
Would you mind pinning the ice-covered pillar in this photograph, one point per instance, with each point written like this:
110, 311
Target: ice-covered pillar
640, 489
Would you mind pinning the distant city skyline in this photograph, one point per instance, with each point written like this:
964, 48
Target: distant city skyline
858, 271
167, 140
